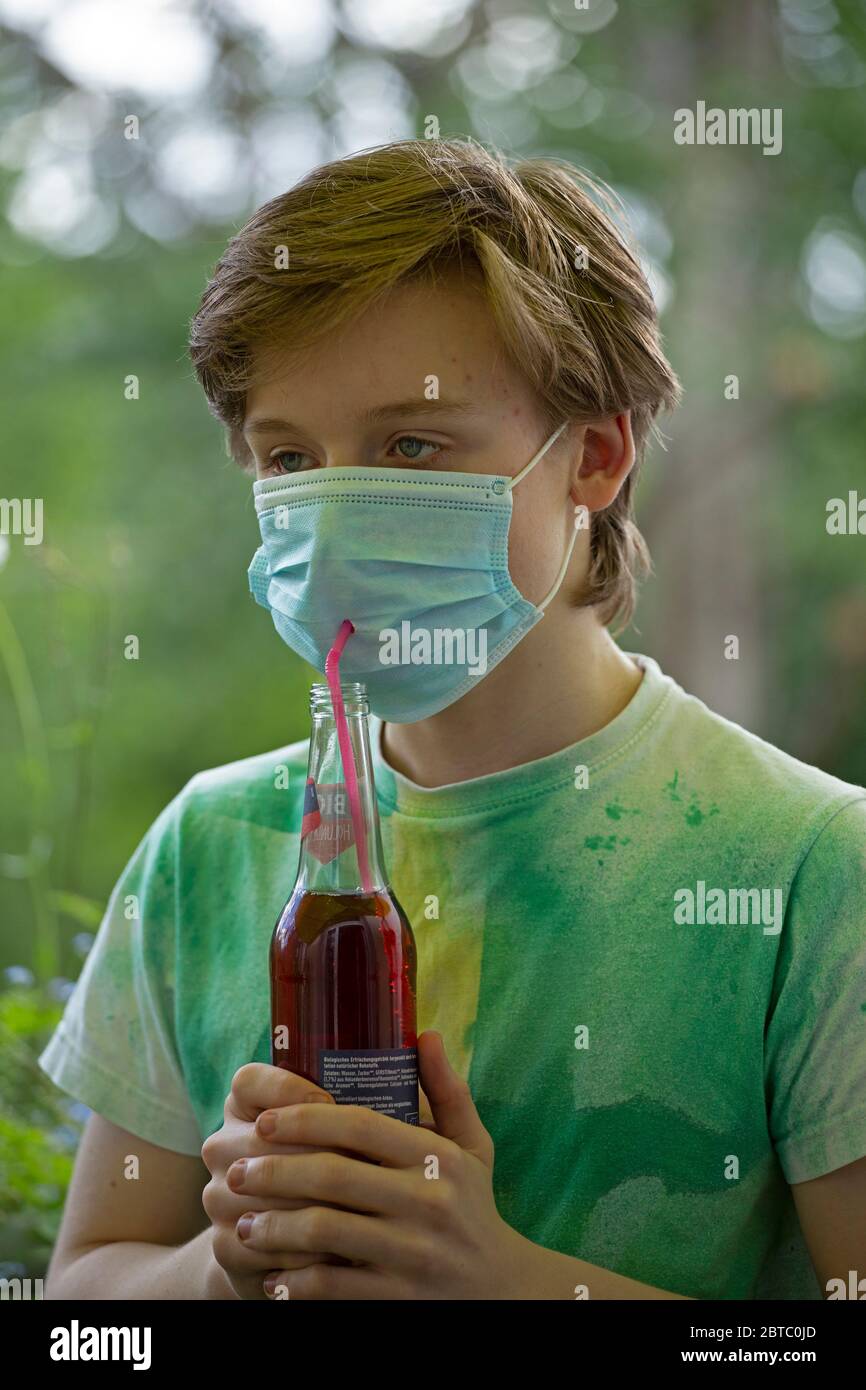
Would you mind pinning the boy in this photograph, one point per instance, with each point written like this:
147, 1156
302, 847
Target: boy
648, 965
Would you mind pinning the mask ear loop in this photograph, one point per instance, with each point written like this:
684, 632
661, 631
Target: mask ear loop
579, 511
512, 482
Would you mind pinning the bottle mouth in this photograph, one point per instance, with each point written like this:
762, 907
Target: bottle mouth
354, 698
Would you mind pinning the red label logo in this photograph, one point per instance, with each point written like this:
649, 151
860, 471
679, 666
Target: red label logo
326, 826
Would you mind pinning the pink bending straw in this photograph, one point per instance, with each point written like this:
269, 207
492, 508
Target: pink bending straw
332, 675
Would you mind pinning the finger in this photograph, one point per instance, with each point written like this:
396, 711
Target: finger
425, 1113
232, 1206
329, 1179
266, 1138
249, 1286
328, 1282
451, 1101
321, 1228
237, 1259
256, 1147
243, 1260
299, 1259
257, 1085
358, 1129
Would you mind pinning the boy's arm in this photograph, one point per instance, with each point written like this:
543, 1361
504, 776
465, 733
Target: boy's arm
832, 1212
551, 1275
141, 1237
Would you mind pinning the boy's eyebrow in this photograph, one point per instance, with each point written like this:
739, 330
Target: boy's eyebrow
267, 424
419, 405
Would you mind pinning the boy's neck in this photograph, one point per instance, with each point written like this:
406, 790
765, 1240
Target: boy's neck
566, 680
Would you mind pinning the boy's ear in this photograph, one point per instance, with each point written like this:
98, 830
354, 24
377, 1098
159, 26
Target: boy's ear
607, 459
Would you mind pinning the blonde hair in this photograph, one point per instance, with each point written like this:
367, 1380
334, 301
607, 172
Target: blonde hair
568, 295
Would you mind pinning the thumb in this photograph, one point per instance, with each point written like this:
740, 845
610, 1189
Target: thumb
450, 1100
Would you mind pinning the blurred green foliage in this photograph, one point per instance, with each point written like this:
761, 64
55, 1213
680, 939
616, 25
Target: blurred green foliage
39, 1130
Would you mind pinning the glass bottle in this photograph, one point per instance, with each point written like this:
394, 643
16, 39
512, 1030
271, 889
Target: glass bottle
342, 959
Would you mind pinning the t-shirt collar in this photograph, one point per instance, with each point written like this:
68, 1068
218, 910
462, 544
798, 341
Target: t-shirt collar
398, 793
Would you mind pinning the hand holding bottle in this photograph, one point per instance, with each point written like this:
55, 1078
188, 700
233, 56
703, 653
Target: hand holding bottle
256, 1087
412, 1214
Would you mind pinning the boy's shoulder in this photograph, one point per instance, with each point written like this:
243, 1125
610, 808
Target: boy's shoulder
764, 783
252, 788
253, 771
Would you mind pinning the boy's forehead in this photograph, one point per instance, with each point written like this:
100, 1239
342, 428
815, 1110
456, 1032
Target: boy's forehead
420, 342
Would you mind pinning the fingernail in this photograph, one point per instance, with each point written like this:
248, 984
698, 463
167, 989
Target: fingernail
270, 1283
266, 1123
244, 1226
236, 1174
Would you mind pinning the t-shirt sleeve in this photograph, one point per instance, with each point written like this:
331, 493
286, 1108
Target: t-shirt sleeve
815, 1041
114, 1048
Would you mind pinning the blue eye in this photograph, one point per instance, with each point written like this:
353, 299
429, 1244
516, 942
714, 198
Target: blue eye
287, 454
416, 444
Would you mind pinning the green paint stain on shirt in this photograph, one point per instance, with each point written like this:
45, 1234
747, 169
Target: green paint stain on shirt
616, 812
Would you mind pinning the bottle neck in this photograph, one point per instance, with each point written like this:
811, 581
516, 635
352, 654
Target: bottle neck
328, 861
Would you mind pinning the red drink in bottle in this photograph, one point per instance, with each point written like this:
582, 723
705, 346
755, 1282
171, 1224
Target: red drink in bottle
342, 957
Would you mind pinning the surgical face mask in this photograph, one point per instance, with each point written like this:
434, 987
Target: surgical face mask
418, 561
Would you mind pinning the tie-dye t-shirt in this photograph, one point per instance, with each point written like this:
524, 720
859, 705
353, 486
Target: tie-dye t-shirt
645, 952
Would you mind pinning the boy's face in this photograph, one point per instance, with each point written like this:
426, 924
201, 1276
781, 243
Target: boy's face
357, 399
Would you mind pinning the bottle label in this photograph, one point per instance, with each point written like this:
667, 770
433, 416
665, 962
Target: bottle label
384, 1079
326, 823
